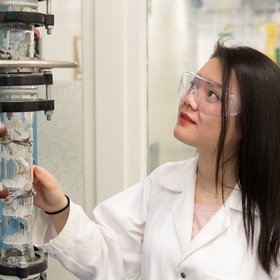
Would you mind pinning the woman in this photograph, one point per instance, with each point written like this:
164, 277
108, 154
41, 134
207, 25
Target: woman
216, 216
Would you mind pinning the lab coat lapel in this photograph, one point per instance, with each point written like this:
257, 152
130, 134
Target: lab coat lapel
182, 211
183, 182
217, 225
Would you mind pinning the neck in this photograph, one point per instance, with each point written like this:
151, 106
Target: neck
206, 180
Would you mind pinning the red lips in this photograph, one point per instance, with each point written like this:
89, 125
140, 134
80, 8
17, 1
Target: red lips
184, 118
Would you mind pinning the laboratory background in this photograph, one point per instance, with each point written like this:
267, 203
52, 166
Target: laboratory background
115, 112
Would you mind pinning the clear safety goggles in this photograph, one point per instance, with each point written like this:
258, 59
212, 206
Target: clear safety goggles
207, 95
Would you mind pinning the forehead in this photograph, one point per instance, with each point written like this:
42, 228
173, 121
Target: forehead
212, 70
205, 81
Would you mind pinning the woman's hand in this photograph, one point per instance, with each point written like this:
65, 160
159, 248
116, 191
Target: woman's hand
50, 197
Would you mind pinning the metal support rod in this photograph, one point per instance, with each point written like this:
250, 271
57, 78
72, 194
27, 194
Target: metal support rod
48, 11
48, 97
42, 64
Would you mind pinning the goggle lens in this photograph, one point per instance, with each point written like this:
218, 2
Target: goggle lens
207, 95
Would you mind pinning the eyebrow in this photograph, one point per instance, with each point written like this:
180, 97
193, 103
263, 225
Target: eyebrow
209, 81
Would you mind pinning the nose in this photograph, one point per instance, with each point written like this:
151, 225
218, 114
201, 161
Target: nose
189, 99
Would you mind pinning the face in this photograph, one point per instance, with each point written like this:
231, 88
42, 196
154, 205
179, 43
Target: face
198, 124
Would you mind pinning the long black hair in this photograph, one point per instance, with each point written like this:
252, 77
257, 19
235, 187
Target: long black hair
258, 152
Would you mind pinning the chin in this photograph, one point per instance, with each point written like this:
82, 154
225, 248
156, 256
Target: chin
183, 138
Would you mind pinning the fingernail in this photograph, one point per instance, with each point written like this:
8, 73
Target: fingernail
37, 171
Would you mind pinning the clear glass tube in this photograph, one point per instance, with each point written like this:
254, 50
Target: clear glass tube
18, 93
17, 39
16, 175
19, 5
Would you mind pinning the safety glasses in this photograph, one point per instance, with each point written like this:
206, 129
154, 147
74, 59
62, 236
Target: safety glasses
207, 95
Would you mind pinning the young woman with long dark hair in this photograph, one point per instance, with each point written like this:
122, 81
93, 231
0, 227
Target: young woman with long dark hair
216, 216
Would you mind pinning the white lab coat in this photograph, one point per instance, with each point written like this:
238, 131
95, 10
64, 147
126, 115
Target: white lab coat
145, 232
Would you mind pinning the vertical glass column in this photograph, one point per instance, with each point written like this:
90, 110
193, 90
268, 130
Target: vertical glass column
16, 40
19, 6
16, 174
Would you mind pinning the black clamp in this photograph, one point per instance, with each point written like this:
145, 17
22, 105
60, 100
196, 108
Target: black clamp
38, 19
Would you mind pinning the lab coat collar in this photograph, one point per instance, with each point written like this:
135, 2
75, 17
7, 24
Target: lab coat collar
235, 201
183, 179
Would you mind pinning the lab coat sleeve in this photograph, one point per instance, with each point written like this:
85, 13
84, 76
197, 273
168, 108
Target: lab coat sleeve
110, 246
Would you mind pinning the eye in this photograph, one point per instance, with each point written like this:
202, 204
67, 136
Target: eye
212, 97
192, 85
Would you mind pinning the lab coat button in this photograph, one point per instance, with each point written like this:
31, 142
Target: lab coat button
183, 275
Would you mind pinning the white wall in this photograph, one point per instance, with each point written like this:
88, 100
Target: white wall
120, 94
172, 51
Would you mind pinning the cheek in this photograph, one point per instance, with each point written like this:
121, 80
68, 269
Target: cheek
209, 132
210, 126
233, 135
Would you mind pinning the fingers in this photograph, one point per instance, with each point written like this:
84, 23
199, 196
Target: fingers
49, 195
43, 177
